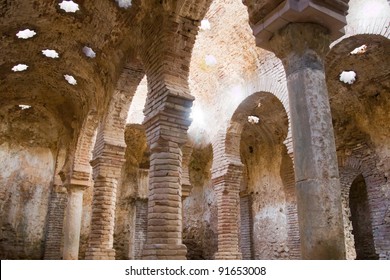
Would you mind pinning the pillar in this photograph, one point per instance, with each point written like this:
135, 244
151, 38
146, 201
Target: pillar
107, 166
166, 55
72, 224
227, 188
166, 133
302, 47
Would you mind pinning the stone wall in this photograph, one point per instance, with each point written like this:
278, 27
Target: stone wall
55, 222
25, 187
246, 227
132, 194
269, 211
365, 163
85, 221
199, 209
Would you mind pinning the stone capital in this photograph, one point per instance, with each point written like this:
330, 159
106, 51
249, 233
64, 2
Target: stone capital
299, 37
301, 45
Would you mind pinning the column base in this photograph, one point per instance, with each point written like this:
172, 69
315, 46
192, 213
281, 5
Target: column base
164, 252
228, 256
100, 254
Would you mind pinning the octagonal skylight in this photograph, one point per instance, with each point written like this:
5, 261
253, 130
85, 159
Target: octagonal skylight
24, 107
348, 77
205, 24
89, 52
50, 53
360, 50
124, 3
26, 34
210, 60
253, 119
71, 80
20, 67
69, 6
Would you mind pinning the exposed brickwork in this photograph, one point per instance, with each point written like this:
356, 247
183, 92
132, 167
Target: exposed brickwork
140, 229
166, 58
108, 159
231, 148
363, 148
81, 169
107, 170
294, 243
132, 188
56, 213
55, 222
185, 182
227, 188
246, 230
361, 220
357, 26
76, 177
364, 161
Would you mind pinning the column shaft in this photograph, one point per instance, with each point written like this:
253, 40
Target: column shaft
164, 234
72, 224
107, 170
227, 189
302, 46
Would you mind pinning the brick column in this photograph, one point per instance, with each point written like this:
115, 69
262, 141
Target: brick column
166, 55
166, 133
107, 165
72, 225
227, 188
302, 47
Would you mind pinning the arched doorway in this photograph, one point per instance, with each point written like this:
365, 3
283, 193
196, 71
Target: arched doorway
256, 136
361, 220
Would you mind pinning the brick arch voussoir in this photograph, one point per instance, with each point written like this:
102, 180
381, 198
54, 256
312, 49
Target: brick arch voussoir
115, 119
377, 26
194, 9
86, 143
351, 168
274, 81
239, 118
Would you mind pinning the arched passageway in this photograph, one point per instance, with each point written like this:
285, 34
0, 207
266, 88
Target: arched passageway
361, 220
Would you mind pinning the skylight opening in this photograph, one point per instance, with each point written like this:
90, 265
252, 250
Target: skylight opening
26, 34
348, 77
69, 6
20, 67
124, 3
253, 119
71, 80
50, 53
359, 50
205, 25
210, 60
89, 52
24, 107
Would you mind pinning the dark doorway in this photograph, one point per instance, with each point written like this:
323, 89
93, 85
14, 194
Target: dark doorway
361, 221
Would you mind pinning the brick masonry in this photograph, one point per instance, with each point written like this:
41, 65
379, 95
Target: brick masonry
55, 222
